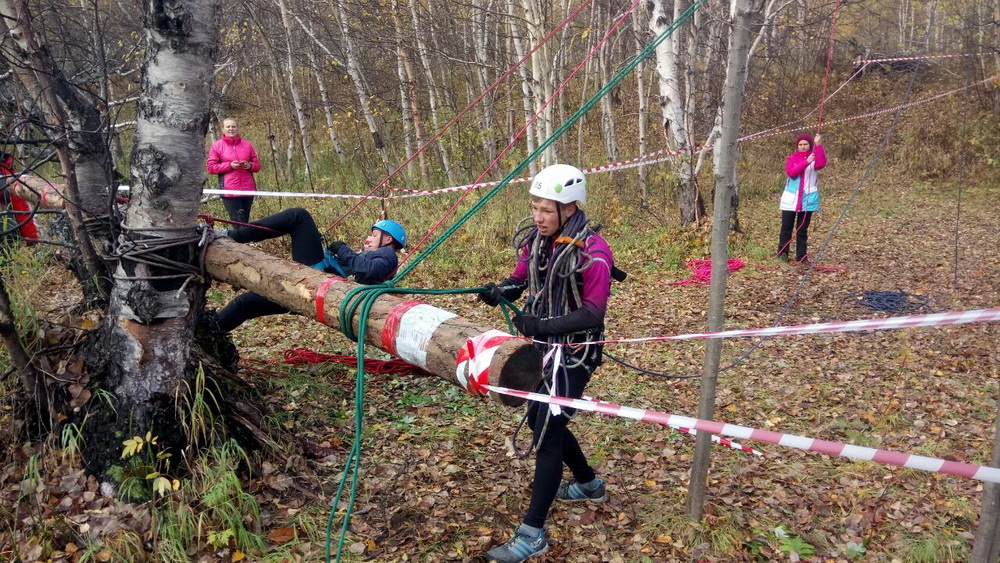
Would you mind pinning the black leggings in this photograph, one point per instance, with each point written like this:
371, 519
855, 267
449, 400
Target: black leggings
797, 221
238, 207
558, 446
307, 248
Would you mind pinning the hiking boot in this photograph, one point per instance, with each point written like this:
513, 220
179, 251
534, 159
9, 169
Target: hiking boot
521, 547
595, 491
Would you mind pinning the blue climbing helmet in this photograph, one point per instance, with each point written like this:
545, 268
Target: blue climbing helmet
393, 229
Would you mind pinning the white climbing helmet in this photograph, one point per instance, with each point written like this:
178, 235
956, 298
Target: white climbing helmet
560, 182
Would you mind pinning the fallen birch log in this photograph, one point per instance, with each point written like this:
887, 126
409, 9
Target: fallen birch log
428, 337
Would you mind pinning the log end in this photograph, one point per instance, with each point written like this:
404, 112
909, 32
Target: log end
522, 371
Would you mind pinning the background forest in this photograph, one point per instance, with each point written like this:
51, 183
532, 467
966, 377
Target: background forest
169, 456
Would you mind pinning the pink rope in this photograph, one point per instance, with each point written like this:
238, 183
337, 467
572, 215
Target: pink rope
702, 271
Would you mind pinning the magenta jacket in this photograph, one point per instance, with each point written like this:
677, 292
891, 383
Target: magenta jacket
225, 151
801, 190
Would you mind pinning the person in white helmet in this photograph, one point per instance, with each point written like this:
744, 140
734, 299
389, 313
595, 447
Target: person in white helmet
566, 268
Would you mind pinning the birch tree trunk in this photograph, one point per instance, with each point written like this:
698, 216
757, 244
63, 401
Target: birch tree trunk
640, 86
300, 113
331, 126
541, 77
143, 347
413, 94
480, 47
527, 88
691, 205
986, 548
608, 130
432, 92
739, 41
78, 139
405, 93
357, 79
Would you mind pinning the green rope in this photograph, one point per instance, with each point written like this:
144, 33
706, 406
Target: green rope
618, 77
361, 299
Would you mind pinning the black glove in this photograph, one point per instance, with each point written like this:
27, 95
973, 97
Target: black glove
492, 296
335, 246
529, 325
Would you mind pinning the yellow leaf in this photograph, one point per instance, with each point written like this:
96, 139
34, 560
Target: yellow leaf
238, 555
153, 475
161, 485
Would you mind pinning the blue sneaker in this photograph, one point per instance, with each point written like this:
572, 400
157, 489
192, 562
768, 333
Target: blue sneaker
595, 491
521, 547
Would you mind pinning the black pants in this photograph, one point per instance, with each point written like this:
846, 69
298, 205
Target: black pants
797, 222
307, 248
238, 208
558, 446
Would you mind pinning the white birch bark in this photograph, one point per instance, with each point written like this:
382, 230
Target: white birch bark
149, 328
640, 87
672, 100
480, 48
331, 126
357, 79
293, 88
527, 88
405, 93
432, 92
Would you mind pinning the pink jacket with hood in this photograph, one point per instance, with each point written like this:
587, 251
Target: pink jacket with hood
221, 156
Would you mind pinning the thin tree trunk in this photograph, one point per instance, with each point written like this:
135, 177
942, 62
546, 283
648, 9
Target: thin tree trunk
640, 87
608, 131
300, 112
405, 92
480, 48
527, 88
357, 78
31, 380
986, 548
83, 156
739, 41
414, 96
432, 92
331, 127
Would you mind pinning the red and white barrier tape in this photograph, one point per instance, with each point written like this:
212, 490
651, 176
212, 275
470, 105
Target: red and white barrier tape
922, 57
891, 323
934, 465
717, 439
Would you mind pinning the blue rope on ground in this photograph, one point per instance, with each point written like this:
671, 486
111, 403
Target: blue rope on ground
889, 301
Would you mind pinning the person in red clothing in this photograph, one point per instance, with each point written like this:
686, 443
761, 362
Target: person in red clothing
23, 223
234, 159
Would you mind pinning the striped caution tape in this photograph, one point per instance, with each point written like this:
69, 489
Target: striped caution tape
890, 323
717, 439
888, 457
924, 57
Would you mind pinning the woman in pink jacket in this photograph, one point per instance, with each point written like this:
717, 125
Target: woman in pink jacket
232, 157
801, 196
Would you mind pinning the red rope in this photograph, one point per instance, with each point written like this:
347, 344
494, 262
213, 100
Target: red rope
306, 356
829, 59
468, 108
210, 221
520, 133
702, 269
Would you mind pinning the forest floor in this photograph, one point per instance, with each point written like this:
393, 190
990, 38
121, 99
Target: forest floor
440, 482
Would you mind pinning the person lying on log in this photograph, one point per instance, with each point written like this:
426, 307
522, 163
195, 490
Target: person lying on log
375, 264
